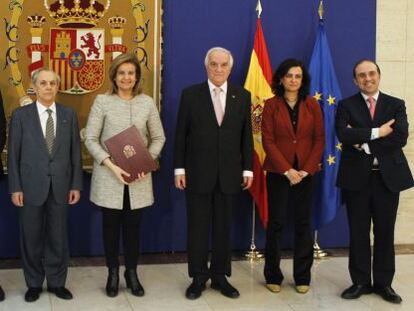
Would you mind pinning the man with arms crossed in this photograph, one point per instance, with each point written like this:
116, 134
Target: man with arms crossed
373, 170
45, 176
213, 161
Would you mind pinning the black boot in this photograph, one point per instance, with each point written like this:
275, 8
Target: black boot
112, 283
133, 283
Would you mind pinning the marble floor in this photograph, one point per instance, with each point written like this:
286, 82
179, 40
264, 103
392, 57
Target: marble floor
165, 285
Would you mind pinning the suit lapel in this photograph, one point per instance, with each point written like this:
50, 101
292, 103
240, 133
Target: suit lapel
37, 128
363, 109
380, 108
208, 103
231, 98
60, 121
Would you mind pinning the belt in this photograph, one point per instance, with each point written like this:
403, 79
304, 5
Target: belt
375, 168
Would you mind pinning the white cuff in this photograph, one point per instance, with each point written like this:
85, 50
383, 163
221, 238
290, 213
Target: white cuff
375, 133
366, 149
179, 171
247, 174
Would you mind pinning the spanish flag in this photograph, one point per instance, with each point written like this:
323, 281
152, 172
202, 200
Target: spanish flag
258, 82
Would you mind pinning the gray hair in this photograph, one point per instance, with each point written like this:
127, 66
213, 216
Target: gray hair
218, 49
36, 73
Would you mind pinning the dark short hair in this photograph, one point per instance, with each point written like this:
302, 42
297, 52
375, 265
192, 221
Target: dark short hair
127, 58
277, 86
362, 61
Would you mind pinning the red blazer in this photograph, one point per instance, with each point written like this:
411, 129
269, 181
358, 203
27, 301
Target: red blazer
281, 143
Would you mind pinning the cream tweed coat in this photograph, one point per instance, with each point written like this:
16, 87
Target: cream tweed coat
110, 115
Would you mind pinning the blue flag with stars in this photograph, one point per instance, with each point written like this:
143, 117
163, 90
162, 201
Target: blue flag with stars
325, 89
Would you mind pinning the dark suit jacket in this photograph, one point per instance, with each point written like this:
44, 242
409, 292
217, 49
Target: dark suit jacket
2, 132
353, 126
30, 167
280, 141
209, 152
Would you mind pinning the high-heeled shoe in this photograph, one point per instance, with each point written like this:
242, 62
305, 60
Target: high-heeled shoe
112, 283
133, 283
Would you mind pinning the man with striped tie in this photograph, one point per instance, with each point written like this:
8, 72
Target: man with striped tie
45, 177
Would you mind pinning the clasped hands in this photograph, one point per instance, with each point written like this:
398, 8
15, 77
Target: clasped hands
295, 176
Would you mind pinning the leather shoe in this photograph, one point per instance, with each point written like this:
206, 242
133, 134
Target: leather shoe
132, 282
1, 294
60, 292
194, 290
356, 291
112, 283
388, 294
32, 294
225, 288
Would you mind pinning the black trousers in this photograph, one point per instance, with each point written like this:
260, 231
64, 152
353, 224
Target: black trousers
44, 242
204, 211
378, 204
128, 221
281, 197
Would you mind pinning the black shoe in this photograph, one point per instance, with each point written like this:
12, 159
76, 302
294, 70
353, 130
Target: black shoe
388, 294
224, 287
2, 296
60, 292
195, 289
133, 283
32, 294
112, 283
355, 291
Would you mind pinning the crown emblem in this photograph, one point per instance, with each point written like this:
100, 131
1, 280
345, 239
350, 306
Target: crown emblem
76, 13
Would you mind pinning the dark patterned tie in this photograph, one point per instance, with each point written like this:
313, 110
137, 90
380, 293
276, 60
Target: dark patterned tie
50, 131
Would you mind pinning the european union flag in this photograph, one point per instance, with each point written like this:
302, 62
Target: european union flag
325, 89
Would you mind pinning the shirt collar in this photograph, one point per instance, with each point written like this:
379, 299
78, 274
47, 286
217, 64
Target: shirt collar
223, 87
41, 109
375, 96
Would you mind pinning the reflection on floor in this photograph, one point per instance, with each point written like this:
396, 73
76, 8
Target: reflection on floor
165, 285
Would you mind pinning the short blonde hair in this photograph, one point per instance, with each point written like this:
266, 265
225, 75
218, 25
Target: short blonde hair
127, 58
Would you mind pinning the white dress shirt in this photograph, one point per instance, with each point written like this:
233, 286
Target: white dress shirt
374, 131
43, 115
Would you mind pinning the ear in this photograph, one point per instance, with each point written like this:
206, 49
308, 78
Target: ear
355, 81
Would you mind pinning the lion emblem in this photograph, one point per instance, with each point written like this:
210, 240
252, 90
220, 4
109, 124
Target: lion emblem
91, 44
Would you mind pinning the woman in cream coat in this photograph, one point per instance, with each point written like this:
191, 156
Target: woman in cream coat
121, 203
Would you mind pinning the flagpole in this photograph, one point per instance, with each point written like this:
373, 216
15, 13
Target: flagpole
253, 254
318, 252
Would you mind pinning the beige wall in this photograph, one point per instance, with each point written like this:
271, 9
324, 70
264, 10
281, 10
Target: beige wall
395, 56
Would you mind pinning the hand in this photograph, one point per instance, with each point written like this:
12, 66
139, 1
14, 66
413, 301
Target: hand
74, 196
247, 182
118, 172
17, 199
303, 174
141, 175
293, 176
386, 128
180, 182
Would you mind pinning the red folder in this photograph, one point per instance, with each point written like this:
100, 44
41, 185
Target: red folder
129, 152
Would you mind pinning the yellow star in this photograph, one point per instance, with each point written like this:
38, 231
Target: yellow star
317, 96
331, 160
331, 100
339, 146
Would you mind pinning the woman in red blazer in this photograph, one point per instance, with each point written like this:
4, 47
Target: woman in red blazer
293, 139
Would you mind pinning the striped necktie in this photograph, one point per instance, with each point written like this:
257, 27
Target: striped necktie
50, 131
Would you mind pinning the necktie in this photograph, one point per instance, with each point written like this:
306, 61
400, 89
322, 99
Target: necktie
372, 104
50, 131
218, 108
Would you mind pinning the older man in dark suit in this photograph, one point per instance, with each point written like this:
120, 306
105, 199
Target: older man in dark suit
2, 142
45, 176
213, 160
373, 170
